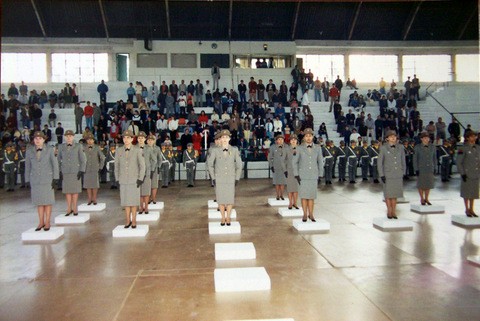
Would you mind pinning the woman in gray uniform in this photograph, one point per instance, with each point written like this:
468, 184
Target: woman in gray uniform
391, 166
72, 162
292, 184
151, 139
468, 164
150, 167
307, 169
424, 162
129, 172
95, 162
225, 168
277, 159
41, 170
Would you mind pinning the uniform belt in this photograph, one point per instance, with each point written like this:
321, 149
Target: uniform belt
352, 156
328, 157
165, 161
365, 156
190, 161
8, 162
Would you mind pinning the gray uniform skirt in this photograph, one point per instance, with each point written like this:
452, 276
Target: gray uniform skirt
425, 180
393, 188
155, 179
129, 195
292, 184
42, 194
225, 193
71, 185
146, 187
279, 178
308, 189
470, 188
90, 180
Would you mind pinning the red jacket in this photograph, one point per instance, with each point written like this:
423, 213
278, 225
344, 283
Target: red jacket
88, 111
334, 92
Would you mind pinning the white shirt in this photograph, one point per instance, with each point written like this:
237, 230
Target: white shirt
305, 101
161, 124
277, 125
215, 117
173, 124
354, 137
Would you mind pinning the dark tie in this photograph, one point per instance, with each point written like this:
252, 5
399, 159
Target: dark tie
39, 150
127, 149
309, 146
393, 146
280, 146
90, 147
141, 147
225, 150
425, 146
69, 145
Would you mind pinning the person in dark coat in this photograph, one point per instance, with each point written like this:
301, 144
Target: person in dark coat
391, 166
468, 164
424, 162
41, 170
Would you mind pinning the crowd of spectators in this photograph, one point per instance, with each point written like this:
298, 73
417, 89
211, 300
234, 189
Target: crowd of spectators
177, 111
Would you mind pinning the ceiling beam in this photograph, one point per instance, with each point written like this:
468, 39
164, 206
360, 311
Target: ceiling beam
295, 20
354, 23
39, 18
409, 24
467, 22
230, 18
167, 13
104, 19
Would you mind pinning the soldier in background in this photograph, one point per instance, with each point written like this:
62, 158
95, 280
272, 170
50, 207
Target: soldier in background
352, 154
190, 157
164, 165
445, 158
110, 165
21, 163
373, 151
364, 160
408, 160
342, 161
10, 166
329, 160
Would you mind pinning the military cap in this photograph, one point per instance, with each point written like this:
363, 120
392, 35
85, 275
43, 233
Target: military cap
127, 133
69, 133
293, 136
374, 141
151, 137
163, 144
279, 136
142, 134
424, 134
470, 133
353, 141
308, 131
89, 136
342, 142
190, 145
9, 144
225, 132
390, 133
39, 134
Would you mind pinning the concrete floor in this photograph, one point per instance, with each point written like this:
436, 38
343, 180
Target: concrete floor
355, 272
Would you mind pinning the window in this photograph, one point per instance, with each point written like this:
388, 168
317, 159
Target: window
466, 67
184, 60
79, 67
371, 68
246, 62
28, 67
152, 60
324, 66
428, 67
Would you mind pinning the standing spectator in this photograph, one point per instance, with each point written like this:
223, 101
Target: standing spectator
130, 92
454, 129
252, 89
12, 91
334, 95
88, 113
339, 85
242, 90
271, 88
173, 88
198, 94
48, 133
153, 92
37, 116
407, 85
52, 118
74, 93
415, 90
102, 89
325, 88
23, 88
382, 84
317, 89
306, 103
52, 98
67, 96
215, 75
78, 119
59, 133
441, 130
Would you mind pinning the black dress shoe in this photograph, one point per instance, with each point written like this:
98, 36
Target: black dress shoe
127, 226
289, 207
304, 219
222, 224
229, 223
94, 203
134, 226
375, 181
39, 228
89, 203
423, 203
278, 198
282, 198
140, 213
389, 217
154, 202
395, 217
146, 212
75, 214
46, 229
312, 219
428, 203
68, 214
296, 206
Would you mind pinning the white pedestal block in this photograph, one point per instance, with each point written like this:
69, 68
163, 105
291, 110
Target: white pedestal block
285, 212
234, 251
241, 279
427, 209
392, 224
274, 202
140, 231
51, 235
216, 228
401, 200
150, 217
91, 208
158, 206
474, 259
466, 221
309, 226
213, 214
212, 204
71, 219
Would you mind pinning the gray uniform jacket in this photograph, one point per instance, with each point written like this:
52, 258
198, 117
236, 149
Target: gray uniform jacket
425, 158
468, 161
129, 169
277, 158
391, 161
309, 162
151, 159
72, 160
225, 167
95, 158
41, 171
